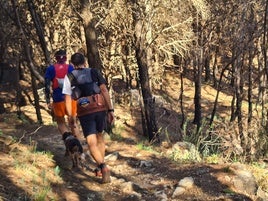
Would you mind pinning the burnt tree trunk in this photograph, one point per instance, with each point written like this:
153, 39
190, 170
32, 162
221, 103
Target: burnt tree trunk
144, 60
149, 103
39, 29
89, 23
26, 46
197, 96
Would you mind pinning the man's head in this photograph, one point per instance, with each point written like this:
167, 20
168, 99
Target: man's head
78, 59
60, 56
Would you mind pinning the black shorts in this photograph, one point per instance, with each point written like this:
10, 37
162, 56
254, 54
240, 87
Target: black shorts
93, 123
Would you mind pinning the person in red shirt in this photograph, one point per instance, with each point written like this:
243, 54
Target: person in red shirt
54, 77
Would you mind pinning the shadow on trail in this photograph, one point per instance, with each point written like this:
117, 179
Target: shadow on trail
10, 191
202, 175
82, 183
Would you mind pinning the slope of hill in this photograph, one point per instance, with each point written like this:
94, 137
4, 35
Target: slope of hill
33, 166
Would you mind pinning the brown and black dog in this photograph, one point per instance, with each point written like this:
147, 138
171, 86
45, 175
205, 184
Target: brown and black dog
74, 149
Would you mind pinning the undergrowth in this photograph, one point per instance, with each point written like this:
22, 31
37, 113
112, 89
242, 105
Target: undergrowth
36, 171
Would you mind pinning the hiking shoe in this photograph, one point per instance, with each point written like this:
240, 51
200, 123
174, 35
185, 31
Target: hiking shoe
97, 172
105, 174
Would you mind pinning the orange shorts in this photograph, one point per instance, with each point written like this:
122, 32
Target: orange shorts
59, 109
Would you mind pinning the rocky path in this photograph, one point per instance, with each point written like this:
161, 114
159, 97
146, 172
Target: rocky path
146, 175
141, 175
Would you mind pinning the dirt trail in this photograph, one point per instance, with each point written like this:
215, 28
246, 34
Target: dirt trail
136, 174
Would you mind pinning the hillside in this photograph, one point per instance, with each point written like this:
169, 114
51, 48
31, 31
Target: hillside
33, 166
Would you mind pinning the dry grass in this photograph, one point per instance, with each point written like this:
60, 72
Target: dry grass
26, 169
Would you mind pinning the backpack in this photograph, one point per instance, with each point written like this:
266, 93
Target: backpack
86, 92
60, 71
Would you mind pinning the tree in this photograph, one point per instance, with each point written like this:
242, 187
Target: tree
25, 44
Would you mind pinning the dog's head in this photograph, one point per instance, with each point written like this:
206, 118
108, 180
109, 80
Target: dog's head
66, 135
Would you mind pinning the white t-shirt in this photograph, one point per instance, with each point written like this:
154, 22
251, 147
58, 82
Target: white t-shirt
66, 89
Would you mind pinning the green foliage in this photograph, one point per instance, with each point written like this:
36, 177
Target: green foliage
259, 170
212, 159
33, 168
228, 191
142, 146
116, 132
116, 137
205, 139
227, 169
41, 195
57, 171
185, 152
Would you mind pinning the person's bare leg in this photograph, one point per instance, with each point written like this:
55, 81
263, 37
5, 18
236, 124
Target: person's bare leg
101, 144
96, 148
76, 131
62, 127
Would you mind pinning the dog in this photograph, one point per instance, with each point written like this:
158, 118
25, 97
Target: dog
74, 149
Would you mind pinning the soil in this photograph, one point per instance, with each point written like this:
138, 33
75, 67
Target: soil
131, 180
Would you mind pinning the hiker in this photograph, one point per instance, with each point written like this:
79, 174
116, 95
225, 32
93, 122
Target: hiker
88, 87
54, 77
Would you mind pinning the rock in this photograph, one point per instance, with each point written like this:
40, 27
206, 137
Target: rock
186, 182
145, 164
178, 191
128, 187
262, 194
244, 181
183, 185
161, 195
112, 156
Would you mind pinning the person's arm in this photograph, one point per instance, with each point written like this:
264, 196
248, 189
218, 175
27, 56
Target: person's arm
96, 74
67, 90
49, 74
68, 103
107, 99
47, 90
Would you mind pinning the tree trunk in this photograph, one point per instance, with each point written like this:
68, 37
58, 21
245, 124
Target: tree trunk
144, 58
181, 99
197, 96
218, 87
239, 99
207, 68
25, 44
39, 29
233, 114
149, 103
93, 55
128, 78
264, 52
89, 23
250, 72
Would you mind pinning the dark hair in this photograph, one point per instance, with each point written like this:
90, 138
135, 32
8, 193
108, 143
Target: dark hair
60, 52
77, 59
60, 56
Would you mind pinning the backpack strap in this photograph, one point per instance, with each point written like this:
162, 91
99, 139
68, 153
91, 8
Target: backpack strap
72, 79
